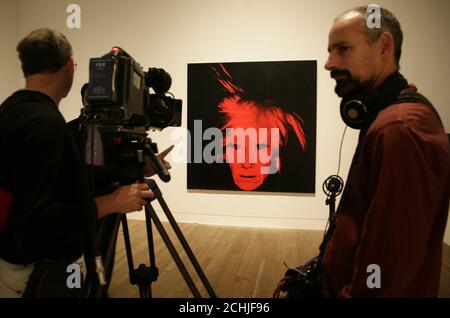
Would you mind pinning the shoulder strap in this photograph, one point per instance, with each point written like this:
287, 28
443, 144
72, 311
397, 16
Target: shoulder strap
409, 96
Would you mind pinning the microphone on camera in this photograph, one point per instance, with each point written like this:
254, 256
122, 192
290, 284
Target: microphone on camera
158, 79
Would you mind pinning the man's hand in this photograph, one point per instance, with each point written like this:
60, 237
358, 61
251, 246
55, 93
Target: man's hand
148, 169
124, 199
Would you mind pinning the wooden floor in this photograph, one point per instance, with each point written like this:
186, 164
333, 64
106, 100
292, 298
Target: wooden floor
238, 262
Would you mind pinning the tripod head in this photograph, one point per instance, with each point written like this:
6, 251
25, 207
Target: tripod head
129, 150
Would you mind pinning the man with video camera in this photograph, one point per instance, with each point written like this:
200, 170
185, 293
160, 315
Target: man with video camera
44, 193
103, 178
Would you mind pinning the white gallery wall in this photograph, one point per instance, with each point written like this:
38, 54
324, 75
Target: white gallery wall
170, 34
9, 63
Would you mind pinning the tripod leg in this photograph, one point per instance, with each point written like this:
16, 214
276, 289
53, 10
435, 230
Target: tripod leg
154, 187
189, 252
151, 247
142, 276
173, 251
106, 241
126, 236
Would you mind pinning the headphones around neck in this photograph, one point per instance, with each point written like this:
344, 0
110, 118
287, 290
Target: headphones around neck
354, 111
361, 107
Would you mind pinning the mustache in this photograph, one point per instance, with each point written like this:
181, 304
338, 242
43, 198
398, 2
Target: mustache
335, 73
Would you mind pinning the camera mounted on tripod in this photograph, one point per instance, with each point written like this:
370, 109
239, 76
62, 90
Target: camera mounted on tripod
122, 108
118, 94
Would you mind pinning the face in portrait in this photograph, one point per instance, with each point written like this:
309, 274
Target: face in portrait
252, 126
253, 134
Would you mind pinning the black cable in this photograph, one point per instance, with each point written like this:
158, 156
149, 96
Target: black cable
340, 150
332, 187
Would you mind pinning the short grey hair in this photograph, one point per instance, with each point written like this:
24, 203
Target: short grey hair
43, 51
389, 23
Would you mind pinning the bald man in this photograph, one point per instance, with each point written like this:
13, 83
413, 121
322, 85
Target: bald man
387, 237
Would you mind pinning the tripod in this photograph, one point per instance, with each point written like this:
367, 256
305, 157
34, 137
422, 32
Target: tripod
133, 153
144, 275
126, 152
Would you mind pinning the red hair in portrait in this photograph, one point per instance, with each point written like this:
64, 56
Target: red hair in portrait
254, 133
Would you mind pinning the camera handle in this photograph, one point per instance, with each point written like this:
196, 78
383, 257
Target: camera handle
156, 163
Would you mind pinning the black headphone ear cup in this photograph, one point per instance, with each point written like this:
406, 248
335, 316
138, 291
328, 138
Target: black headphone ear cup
354, 112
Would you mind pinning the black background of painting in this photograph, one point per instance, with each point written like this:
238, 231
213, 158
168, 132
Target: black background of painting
291, 84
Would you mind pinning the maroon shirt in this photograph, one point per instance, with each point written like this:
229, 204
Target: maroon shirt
394, 211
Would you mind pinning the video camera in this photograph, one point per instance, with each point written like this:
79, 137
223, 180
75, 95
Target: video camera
122, 110
118, 94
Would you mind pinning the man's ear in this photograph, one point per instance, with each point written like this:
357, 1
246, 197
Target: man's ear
70, 64
386, 41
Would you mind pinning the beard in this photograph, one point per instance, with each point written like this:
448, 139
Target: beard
346, 85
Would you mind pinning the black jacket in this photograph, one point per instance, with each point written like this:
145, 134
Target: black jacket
41, 167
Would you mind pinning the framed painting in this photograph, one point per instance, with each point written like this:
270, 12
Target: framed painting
252, 126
